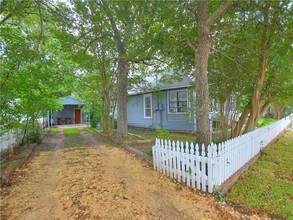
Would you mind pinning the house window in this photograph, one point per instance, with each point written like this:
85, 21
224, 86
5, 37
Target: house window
178, 102
147, 106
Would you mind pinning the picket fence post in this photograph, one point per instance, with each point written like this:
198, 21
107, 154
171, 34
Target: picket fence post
209, 166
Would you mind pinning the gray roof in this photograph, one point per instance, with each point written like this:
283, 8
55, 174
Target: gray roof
184, 82
165, 84
70, 101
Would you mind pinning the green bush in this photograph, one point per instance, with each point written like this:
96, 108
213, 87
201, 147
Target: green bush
35, 135
265, 121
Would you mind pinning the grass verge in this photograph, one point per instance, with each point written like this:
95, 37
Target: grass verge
163, 134
149, 152
72, 138
71, 131
268, 185
89, 130
53, 131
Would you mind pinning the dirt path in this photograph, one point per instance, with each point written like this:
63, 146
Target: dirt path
97, 182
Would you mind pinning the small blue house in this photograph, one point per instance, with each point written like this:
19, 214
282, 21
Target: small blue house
170, 107
71, 113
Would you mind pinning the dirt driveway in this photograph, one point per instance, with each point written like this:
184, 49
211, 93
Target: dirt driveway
98, 181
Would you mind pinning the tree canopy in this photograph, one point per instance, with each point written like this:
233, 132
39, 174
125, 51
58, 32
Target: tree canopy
237, 51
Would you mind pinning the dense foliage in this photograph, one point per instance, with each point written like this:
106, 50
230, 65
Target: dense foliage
97, 50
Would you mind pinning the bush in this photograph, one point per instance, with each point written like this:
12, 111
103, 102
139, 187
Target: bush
35, 135
265, 121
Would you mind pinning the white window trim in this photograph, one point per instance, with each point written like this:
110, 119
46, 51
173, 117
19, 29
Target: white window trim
178, 113
151, 100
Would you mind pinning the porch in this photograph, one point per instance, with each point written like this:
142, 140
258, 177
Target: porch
61, 127
71, 113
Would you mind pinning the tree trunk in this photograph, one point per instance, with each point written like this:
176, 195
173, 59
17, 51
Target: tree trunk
256, 96
25, 131
201, 77
122, 81
259, 102
105, 116
278, 112
122, 76
113, 109
238, 127
201, 66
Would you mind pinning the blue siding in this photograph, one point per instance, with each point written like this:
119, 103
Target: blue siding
135, 113
161, 117
68, 112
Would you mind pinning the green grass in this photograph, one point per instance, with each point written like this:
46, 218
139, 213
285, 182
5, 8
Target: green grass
6, 163
71, 131
265, 121
268, 185
149, 152
53, 131
71, 141
89, 130
72, 138
163, 134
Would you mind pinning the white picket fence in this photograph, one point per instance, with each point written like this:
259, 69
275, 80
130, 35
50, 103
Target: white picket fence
12, 138
208, 167
8, 140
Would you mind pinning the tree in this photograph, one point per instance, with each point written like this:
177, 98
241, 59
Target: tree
267, 19
251, 64
201, 51
28, 61
125, 32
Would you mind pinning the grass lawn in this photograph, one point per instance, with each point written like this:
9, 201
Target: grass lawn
89, 130
149, 134
72, 137
71, 131
268, 185
53, 131
163, 134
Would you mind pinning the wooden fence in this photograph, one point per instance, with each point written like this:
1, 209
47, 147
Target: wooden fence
208, 167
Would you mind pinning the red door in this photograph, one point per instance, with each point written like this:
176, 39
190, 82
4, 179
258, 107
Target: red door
77, 116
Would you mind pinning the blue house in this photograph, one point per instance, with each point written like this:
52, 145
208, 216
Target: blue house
71, 113
170, 107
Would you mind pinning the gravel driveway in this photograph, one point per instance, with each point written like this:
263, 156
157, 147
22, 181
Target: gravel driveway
97, 181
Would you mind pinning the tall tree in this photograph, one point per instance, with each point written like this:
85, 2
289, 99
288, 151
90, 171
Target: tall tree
126, 30
252, 61
204, 43
270, 20
28, 60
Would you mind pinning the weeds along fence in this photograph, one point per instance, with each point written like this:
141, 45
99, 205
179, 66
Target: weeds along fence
9, 139
12, 138
207, 167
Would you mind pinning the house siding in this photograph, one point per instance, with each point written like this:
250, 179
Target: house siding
135, 112
160, 117
68, 112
